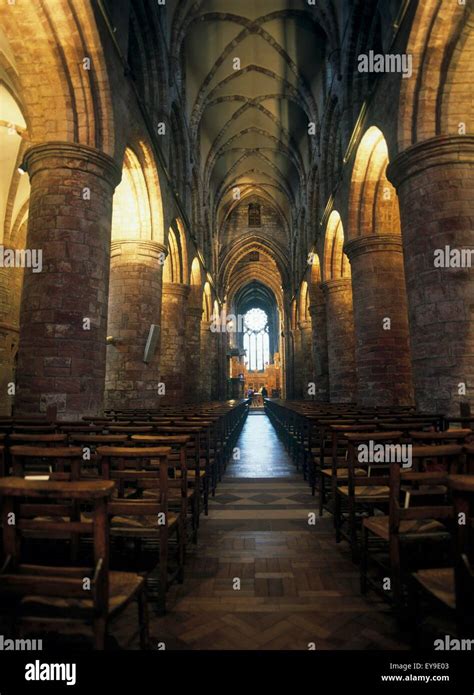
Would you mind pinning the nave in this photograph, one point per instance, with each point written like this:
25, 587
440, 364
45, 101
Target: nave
235, 527
296, 587
236, 324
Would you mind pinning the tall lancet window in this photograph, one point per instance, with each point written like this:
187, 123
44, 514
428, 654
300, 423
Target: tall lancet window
254, 215
256, 340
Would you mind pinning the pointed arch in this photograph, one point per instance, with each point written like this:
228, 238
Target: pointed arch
315, 276
336, 263
57, 45
303, 304
131, 214
373, 201
206, 302
195, 282
172, 266
434, 101
183, 251
14, 187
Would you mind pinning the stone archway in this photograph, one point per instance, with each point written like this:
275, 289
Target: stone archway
134, 311
339, 313
374, 247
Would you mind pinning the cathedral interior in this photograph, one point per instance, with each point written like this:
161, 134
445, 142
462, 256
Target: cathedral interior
237, 324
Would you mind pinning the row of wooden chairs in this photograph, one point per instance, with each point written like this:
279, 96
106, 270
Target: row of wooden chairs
398, 511
124, 501
212, 428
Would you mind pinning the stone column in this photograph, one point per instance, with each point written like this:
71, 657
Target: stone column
320, 350
297, 363
136, 269
193, 353
340, 334
223, 366
306, 358
173, 342
382, 346
208, 361
63, 323
214, 364
435, 186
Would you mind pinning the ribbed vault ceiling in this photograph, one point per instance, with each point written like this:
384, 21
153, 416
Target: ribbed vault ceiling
249, 126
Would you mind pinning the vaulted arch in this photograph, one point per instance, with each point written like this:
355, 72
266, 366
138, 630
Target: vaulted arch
373, 201
336, 263
61, 48
172, 270
131, 216
433, 101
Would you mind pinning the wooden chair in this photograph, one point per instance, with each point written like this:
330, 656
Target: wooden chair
469, 453
213, 449
364, 493
54, 464
452, 587
181, 496
338, 471
32, 420
319, 447
198, 469
94, 440
43, 440
40, 439
45, 428
136, 469
97, 420
418, 510
78, 428
34, 460
130, 429
454, 436
48, 595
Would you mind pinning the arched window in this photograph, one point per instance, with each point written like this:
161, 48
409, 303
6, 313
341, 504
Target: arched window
256, 340
254, 215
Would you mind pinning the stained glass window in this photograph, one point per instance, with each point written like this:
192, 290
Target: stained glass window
256, 340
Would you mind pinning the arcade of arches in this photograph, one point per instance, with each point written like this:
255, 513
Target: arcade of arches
194, 185
176, 165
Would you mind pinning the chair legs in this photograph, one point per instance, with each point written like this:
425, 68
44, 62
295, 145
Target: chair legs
100, 631
353, 532
322, 493
163, 572
396, 583
181, 535
143, 619
364, 559
195, 516
337, 517
206, 494
312, 476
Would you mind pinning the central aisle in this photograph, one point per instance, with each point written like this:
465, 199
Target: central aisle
296, 585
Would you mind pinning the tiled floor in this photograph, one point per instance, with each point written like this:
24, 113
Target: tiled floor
261, 453
261, 577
